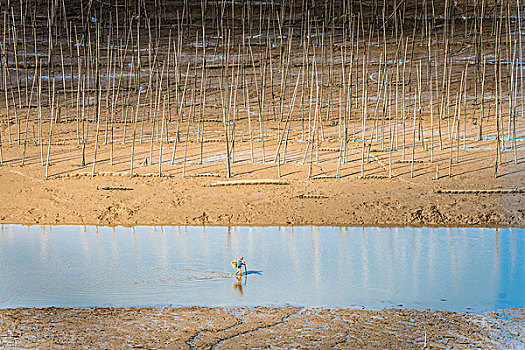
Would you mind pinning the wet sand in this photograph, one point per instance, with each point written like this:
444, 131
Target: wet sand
72, 196
261, 327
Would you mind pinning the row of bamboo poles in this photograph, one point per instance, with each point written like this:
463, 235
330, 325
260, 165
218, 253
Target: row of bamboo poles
393, 75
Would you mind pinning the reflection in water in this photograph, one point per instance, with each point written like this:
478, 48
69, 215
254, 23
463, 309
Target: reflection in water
237, 285
364, 259
316, 255
454, 269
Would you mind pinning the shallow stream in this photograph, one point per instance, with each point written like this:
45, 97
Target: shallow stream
85, 266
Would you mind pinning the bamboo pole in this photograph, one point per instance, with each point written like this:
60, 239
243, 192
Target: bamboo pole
98, 88
134, 135
27, 117
179, 113
50, 129
162, 134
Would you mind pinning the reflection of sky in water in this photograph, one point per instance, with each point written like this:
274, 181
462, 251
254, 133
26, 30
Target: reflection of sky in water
453, 269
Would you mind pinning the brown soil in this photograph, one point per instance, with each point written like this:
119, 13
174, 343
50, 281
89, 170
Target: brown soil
72, 196
261, 327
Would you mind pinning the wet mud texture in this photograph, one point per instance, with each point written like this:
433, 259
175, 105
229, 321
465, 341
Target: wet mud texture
72, 196
261, 327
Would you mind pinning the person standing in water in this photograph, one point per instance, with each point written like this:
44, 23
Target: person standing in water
240, 264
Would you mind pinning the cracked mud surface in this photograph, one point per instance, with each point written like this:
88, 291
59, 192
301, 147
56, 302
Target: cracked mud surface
261, 327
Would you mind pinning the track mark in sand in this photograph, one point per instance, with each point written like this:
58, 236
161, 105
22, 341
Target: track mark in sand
196, 337
24, 175
511, 336
282, 321
345, 341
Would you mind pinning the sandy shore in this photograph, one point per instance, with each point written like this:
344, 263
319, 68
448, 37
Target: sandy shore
72, 196
261, 327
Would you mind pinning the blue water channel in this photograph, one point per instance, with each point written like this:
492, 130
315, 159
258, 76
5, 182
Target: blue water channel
460, 269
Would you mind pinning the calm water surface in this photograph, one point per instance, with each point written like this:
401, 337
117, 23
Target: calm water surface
76, 266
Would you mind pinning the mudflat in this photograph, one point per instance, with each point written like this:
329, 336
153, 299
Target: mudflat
260, 327
393, 192
392, 113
